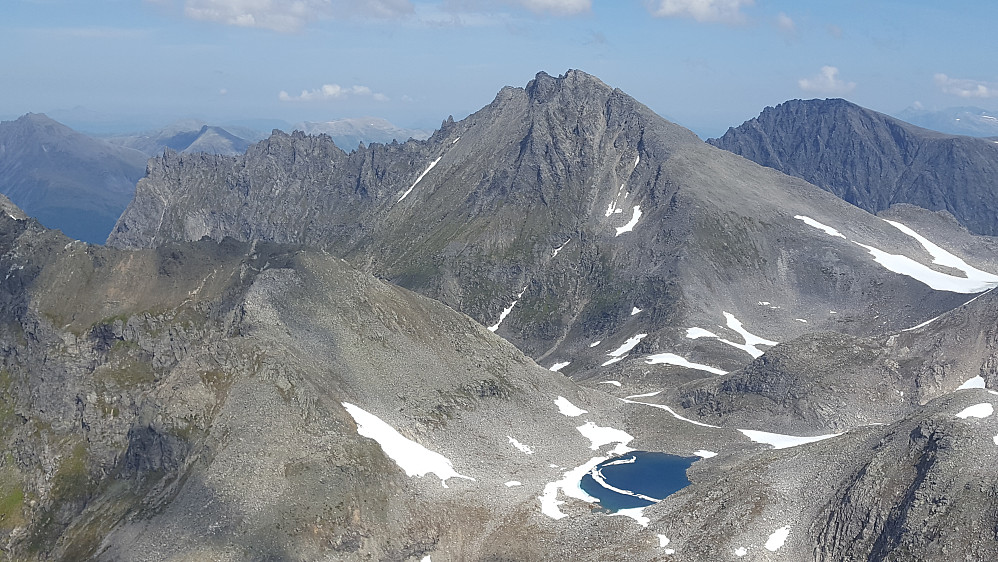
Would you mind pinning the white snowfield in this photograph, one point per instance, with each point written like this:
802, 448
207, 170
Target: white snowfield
705, 454
614, 383
513, 483
411, 457
973, 281
776, 540
600, 436
944, 258
697, 333
559, 366
976, 382
811, 222
981, 410
567, 408
635, 513
624, 349
751, 340
671, 411
673, 359
645, 395
523, 448
426, 171
569, 484
934, 279
780, 441
558, 249
635, 216
506, 311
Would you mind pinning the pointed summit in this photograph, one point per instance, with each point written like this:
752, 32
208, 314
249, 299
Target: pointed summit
873, 160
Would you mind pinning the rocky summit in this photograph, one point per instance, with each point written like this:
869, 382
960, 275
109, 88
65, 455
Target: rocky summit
66, 179
417, 351
873, 160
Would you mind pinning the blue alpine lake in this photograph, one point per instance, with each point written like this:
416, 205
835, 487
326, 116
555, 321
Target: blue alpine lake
637, 479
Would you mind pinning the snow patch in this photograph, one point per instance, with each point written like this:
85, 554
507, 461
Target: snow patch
705, 454
567, 408
410, 456
645, 395
635, 310
751, 340
976, 382
426, 171
981, 410
600, 436
558, 249
569, 485
801, 320
671, 411
827, 229
625, 348
595, 343
741, 551
776, 540
506, 311
559, 366
974, 280
780, 441
696, 333
512, 483
673, 359
523, 448
635, 216
635, 513
614, 383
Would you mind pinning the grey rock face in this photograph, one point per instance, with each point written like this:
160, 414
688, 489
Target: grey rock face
65, 179
571, 199
874, 161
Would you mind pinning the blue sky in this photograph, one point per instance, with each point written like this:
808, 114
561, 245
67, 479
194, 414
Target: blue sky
706, 64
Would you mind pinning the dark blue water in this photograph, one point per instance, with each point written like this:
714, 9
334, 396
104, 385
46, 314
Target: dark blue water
652, 475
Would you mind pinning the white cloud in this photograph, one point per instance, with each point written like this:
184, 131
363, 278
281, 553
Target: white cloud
966, 88
786, 23
826, 82
727, 11
290, 16
494, 7
332, 92
557, 7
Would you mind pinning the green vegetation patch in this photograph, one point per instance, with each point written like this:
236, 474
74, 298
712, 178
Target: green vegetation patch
72, 479
11, 496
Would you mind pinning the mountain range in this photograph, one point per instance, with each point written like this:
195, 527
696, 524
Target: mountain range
300, 353
191, 136
874, 161
65, 179
972, 121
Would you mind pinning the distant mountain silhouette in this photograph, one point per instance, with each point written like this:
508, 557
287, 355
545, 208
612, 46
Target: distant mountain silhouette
65, 179
874, 161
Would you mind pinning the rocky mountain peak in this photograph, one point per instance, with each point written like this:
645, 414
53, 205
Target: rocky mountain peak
873, 160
